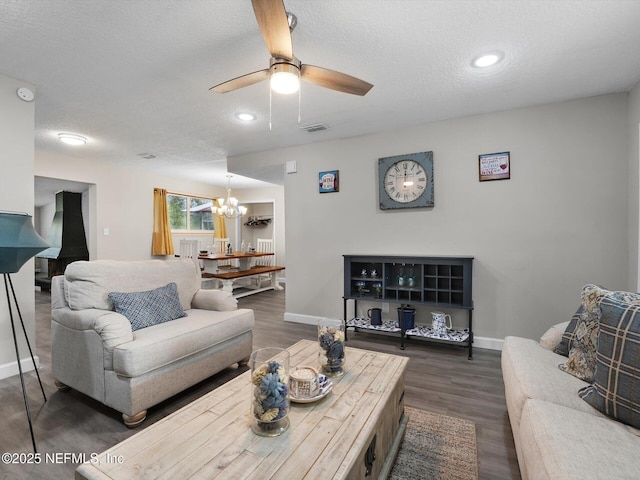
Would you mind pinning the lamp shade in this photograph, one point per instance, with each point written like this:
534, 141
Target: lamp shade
18, 241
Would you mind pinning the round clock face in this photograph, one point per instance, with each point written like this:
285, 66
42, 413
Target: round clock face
405, 181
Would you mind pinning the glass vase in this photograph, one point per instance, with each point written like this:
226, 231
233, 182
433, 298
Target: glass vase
269, 391
331, 356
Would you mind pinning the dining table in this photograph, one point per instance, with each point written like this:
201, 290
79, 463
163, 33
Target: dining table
230, 274
244, 259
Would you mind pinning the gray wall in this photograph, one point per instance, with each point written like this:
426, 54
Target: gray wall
16, 194
561, 221
634, 181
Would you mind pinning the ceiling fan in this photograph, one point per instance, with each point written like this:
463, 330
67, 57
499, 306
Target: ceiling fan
276, 26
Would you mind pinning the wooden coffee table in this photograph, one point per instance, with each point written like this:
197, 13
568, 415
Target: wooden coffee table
357, 427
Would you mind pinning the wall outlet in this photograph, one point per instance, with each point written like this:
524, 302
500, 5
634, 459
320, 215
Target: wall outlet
385, 307
105, 232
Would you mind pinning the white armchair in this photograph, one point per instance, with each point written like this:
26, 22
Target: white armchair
96, 351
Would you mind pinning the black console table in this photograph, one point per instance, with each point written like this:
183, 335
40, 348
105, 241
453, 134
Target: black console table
439, 281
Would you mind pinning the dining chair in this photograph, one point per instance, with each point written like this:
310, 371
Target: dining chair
220, 246
264, 245
190, 249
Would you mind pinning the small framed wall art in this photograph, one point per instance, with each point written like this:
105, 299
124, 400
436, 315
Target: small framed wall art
494, 166
328, 182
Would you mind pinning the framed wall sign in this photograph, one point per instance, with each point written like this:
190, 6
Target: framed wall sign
405, 181
328, 182
494, 166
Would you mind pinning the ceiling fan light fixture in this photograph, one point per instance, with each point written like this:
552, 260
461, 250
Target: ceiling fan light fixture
285, 78
72, 139
245, 116
487, 59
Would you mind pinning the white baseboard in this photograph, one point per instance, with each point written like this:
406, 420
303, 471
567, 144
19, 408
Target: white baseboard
488, 342
478, 342
299, 318
10, 369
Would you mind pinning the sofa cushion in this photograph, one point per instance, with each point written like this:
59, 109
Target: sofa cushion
144, 309
561, 443
162, 344
530, 371
87, 284
616, 389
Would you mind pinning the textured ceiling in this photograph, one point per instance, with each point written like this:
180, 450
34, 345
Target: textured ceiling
133, 75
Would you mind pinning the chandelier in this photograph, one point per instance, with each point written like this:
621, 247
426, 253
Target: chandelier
229, 207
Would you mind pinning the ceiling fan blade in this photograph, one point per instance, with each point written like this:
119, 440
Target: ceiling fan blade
240, 82
334, 80
273, 23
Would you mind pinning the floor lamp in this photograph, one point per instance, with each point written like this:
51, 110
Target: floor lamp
18, 243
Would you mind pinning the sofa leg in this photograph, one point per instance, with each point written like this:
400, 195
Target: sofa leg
132, 421
244, 362
61, 386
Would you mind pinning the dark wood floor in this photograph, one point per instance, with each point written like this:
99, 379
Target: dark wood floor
440, 379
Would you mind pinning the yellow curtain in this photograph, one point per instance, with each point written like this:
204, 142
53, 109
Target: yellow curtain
162, 243
219, 226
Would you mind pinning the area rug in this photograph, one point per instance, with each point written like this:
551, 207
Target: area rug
436, 447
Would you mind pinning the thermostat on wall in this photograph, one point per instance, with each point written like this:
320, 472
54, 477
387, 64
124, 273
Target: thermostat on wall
291, 166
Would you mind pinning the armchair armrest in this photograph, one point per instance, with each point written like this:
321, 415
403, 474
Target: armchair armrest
112, 327
214, 300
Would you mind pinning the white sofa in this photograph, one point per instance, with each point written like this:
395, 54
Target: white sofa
557, 434
95, 350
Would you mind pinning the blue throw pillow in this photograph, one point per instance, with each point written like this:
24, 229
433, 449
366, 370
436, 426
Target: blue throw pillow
152, 307
616, 387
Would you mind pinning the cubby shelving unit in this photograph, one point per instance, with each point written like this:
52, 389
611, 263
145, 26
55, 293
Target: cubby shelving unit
439, 281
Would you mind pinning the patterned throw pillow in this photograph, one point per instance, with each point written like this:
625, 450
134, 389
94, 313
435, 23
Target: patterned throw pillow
589, 295
152, 307
583, 340
582, 355
616, 388
566, 341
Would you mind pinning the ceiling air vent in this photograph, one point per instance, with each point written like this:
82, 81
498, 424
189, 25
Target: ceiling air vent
316, 127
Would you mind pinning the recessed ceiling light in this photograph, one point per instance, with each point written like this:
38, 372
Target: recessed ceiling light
245, 117
72, 139
486, 60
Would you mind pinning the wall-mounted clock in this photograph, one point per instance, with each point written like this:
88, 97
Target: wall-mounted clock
406, 181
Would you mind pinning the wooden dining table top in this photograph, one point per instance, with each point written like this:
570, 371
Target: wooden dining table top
224, 256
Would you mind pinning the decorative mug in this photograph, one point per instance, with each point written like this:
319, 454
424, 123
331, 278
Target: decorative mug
440, 324
303, 382
375, 316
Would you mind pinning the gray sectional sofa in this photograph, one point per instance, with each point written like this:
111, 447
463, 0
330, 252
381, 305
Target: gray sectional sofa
557, 434
99, 352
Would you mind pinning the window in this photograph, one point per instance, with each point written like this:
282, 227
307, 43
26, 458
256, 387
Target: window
190, 213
